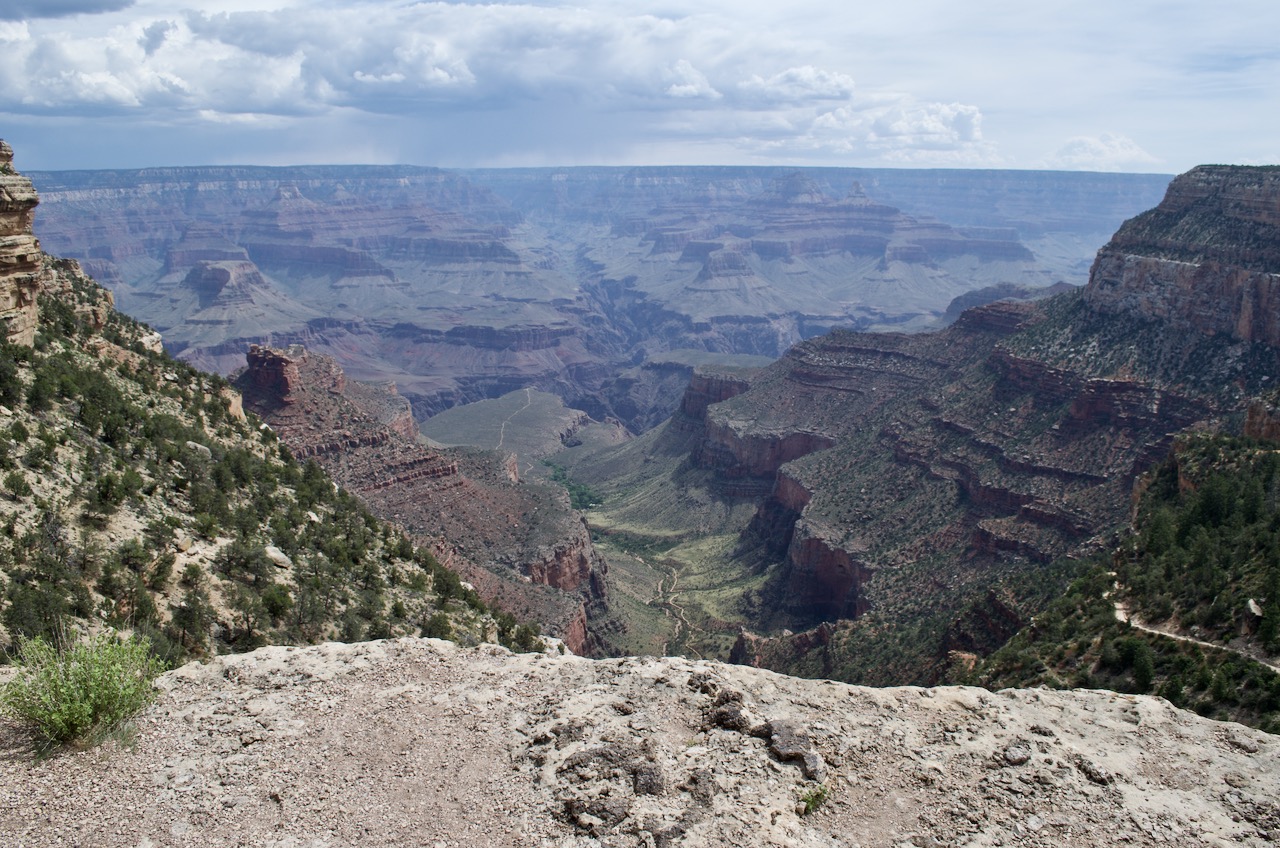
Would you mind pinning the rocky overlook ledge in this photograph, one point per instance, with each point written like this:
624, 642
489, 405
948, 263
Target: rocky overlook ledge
417, 742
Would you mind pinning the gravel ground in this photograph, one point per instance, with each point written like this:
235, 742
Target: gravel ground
415, 742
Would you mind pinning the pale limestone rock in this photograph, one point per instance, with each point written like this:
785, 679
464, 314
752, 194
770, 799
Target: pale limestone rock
415, 741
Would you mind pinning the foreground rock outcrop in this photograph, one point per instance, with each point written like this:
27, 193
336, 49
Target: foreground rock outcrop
417, 742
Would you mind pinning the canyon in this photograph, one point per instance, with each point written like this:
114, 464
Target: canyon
856, 487
466, 285
894, 481
515, 541
864, 483
864, 508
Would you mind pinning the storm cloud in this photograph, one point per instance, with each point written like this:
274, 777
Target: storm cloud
17, 10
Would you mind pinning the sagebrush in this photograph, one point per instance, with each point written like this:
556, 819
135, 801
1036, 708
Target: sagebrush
78, 693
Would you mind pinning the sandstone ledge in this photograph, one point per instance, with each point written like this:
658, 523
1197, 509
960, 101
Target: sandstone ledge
417, 742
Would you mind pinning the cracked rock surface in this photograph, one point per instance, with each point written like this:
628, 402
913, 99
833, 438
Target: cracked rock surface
418, 742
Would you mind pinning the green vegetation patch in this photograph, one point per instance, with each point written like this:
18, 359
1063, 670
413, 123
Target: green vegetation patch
135, 494
1202, 568
580, 496
80, 693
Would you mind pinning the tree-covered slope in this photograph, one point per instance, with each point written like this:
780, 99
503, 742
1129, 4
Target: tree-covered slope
137, 494
1188, 607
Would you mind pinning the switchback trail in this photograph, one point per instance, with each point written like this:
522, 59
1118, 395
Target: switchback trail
666, 599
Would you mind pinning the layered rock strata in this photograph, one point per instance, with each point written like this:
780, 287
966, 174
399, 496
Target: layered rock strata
21, 260
555, 280
518, 545
1017, 433
1207, 259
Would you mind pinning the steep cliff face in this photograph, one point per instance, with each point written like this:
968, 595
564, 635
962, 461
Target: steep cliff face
1263, 421
707, 387
273, 375
1206, 259
21, 261
517, 543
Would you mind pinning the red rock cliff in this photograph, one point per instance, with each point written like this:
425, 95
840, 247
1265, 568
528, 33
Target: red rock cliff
1206, 259
519, 551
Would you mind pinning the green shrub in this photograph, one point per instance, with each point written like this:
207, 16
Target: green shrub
438, 626
80, 693
17, 485
814, 798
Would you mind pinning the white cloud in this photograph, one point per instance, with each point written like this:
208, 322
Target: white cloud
917, 81
245, 119
800, 84
897, 128
1105, 152
690, 82
13, 31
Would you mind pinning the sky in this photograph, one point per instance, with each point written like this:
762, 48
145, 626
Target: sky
1100, 85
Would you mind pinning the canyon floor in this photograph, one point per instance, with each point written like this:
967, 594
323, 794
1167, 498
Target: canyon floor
418, 742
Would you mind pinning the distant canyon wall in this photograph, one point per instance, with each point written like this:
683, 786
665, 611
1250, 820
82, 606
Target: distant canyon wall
1022, 428
460, 286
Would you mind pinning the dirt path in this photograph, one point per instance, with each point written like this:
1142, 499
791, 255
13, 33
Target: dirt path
502, 431
665, 598
1123, 616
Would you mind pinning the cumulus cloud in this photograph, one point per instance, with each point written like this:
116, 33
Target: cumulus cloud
17, 10
1105, 152
690, 82
897, 128
379, 58
547, 71
801, 84
14, 31
526, 81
